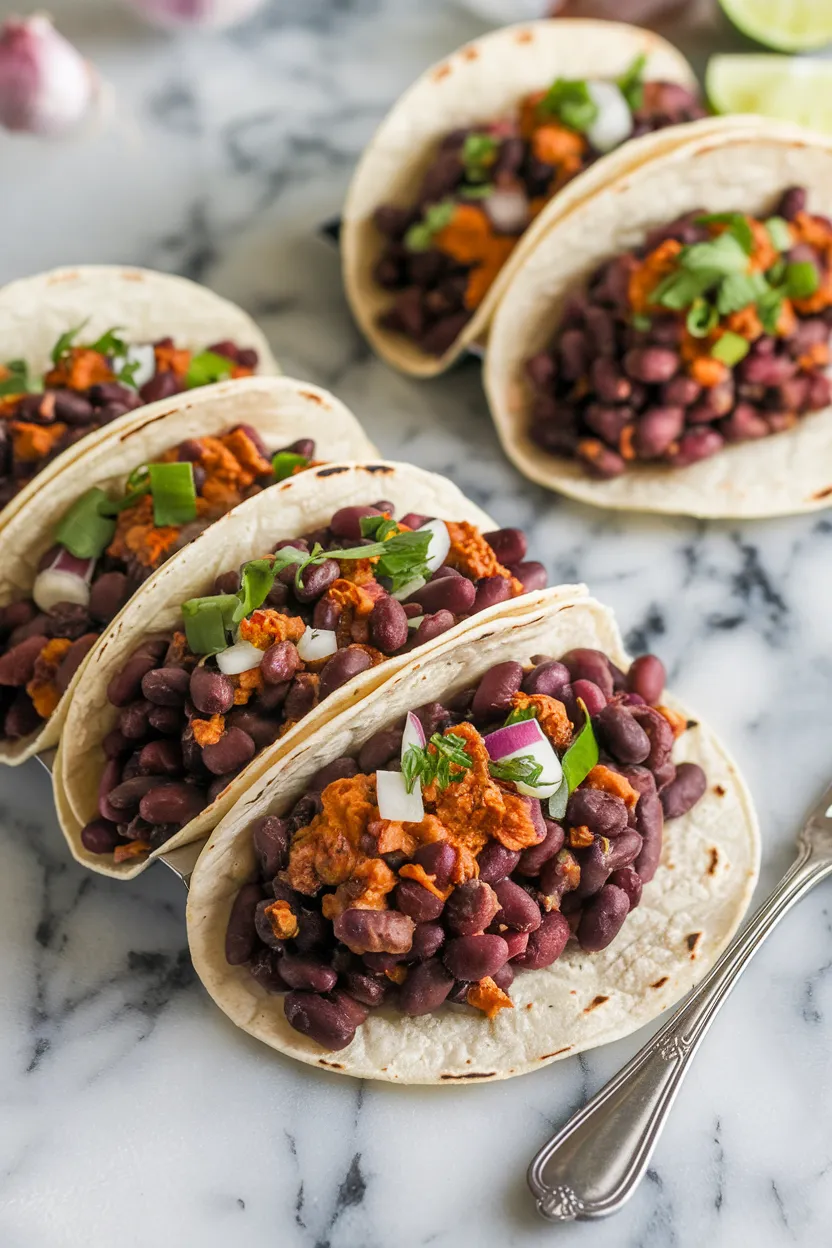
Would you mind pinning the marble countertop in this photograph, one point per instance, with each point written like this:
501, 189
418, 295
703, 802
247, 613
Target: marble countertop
131, 1112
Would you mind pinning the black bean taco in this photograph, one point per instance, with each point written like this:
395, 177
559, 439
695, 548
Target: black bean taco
88, 533
480, 156
274, 620
667, 347
518, 848
81, 347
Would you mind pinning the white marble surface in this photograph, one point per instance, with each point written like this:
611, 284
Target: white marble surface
131, 1113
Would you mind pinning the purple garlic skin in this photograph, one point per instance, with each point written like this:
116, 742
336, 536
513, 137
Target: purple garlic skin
46, 86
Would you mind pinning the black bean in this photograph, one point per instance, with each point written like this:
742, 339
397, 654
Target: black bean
646, 677
437, 859
240, 935
161, 758
176, 803
99, 837
374, 931
73, 659
517, 909
307, 973
388, 625
650, 825
108, 595
17, 666
418, 902
345, 665
531, 575
433, 626
126, 685
316, 580
683, 792
347, 521
603, 918
629, 882
234, 749
166, 719
470, 908
496, 689
474, 957
330, 1021
338, 769
546, 944
425, 988
448, 593
270, 838
379, 749
428, 939
622, 735
212, 693
603, 813
496, 862
532, 859
509, 545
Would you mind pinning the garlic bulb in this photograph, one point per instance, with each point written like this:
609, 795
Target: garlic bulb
214, 14
46, 86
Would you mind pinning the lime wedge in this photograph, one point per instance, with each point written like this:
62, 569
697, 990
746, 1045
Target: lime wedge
787, 25
790, 88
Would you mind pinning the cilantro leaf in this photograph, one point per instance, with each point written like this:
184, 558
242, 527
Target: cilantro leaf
519, 715
731, 348
62, 346
631, 83
479, 152
802, 280
779, 231
109, 343
719, 257
738, 291
570, 101
18, 380
702, 318
434, 218
738, 225
582, 754
522, 770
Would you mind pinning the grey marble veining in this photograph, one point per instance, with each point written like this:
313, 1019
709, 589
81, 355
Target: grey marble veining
131, 1113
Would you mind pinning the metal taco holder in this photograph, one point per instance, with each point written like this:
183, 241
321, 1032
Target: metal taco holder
180, 861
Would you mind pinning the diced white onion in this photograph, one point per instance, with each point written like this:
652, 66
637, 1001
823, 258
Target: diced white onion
53, 586
614, 123
409, 588
144, 356
317, 643
414, 733
508, 210
440, 543
241, 657
394, 801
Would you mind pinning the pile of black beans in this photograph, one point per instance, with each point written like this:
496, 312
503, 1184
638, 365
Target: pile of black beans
523, 908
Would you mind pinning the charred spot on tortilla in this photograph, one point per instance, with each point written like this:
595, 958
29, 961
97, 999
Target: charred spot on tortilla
146, 424
333, 471
442, 71
474, 1074
714, 860
313, 398
470, 53
719, 790
691, 723
692, 942
594, 1003
378, 469
660, 983
820, 494
332, 1065
524, 36
545, 1056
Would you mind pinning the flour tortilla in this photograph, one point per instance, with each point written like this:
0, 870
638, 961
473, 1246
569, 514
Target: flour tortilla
479, 83
743, 170
687, 915
280, 409
144, 305
293, 507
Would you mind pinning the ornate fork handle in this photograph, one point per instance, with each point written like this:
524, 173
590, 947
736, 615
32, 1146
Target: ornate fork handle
594, 1164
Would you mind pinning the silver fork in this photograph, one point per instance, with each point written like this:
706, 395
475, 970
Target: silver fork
597, 1160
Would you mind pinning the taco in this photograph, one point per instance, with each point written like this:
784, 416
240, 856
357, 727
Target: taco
667, 347
521, 847
94, 530
285, 612
81, 347
477, 159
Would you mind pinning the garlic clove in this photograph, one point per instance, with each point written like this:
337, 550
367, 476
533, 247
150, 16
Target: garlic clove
211, 14
46, 86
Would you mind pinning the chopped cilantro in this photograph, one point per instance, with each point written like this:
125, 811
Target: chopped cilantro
479, 152
631, 83
702, 318
738, 225
65, 342
802, 280
570, 101
434, 218
731, 348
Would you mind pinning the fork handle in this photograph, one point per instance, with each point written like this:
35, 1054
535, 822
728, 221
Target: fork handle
595, 1162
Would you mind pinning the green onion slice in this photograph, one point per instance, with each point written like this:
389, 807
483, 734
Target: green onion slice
206, 368
85, 531
284, 464
174, 493
208, 621
730, 349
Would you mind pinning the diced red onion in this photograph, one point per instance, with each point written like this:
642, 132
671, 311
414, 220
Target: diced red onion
508, 210
317, 643
67, 579
394, 801
440, 544
414, 733
241, 657
527, 739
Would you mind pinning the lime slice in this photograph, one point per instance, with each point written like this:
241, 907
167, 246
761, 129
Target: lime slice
790, 88
787, 25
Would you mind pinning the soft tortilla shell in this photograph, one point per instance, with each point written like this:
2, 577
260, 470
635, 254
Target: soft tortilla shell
144, 305
687, 915
479, 83
741, 170
279, 408
295, 506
